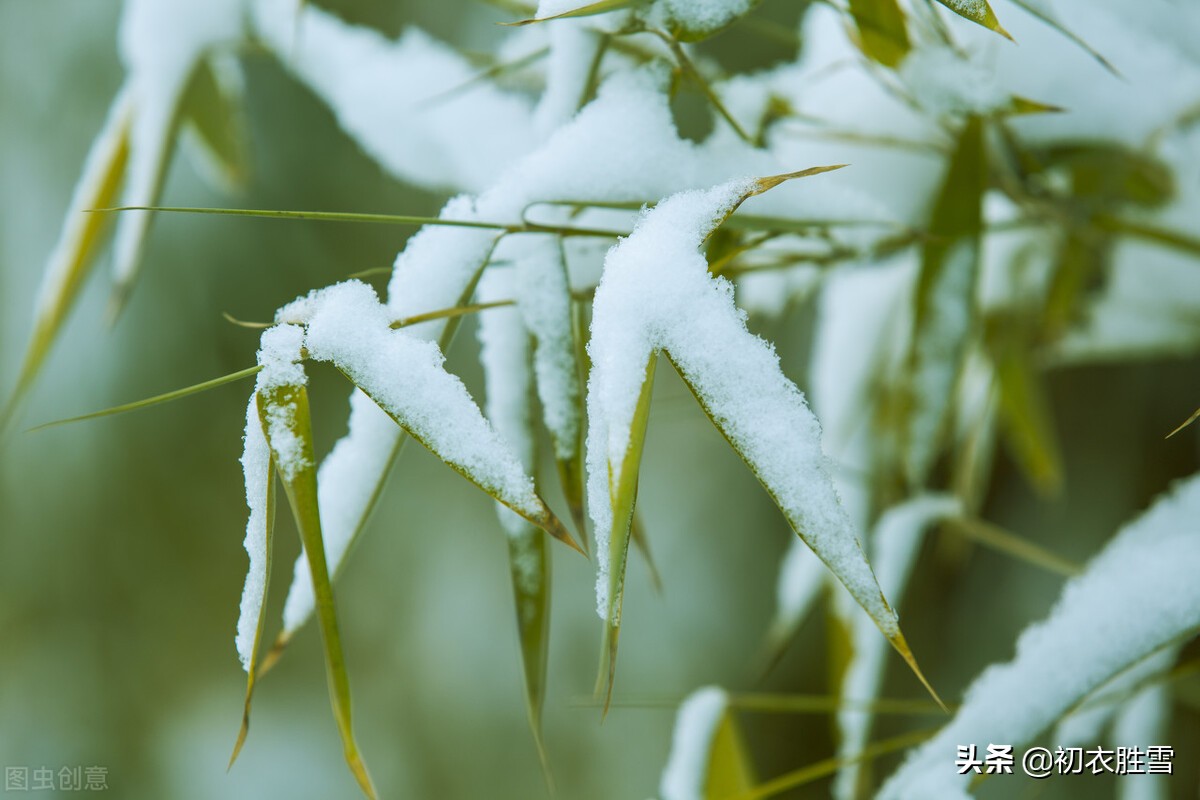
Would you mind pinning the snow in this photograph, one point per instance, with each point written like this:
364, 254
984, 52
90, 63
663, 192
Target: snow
348, 483
161, 44
1136, 596
256, 465
406, 101
505, 355
574, 46
895, 544
696, 724
280, 357
938, 354
1084, 725
656, 294
1144, 720
544, 301
699, 17
405, 376
945, 82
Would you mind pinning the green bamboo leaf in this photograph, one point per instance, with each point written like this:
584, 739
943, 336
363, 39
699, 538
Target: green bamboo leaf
882, 35
589, 10
1195, 416
261, 526
529, 565
729, 767
737, 392
708, 758
637, 532
78, 245
624, 496
977, 11
286, 422
944, 301
1039, 11
157, 399
1027, 423
212, 110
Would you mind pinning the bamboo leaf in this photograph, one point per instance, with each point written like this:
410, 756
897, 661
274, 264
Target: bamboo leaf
623, 485
259, 468
708, 757
529, 565
1038, 10
286, 422
944, 301
589, 10
78, 244
1142, 585
978, 11
1195, 416
1027, 422
346, 325
686, 313
882, 35
212, 110
637, 533
157, 399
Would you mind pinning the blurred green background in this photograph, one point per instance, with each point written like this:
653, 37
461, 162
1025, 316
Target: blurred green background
121, 559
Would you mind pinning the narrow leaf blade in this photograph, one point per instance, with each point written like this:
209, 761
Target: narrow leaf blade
285, 417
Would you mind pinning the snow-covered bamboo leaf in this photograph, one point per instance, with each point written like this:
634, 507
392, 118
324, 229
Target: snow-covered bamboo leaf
882, 34
1137, 596
944, 301
978, 11
505, 356
404, 375
690, 21
544, 300
212, 108
286, 424
895, 544
708, 759
613, 551
259, 469
78, 244
656, 294
162, 46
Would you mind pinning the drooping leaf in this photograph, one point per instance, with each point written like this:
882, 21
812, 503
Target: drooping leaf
1142, 585
1027, 423
78, 244
212, 109
286, 422
944, 301
895, 544
882, 35
259, 468
708, 759
403, 374
677, 307
505, 355
1040, 11
544, 300
978, 11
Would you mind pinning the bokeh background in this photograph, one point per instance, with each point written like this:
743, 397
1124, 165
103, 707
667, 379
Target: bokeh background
121, 561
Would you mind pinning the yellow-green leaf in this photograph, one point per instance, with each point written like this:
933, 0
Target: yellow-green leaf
977, 11
944, 302
529, 565
624, 496
882, 35
212, 109
286, 422
589, 10
78, 244
264, 483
